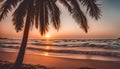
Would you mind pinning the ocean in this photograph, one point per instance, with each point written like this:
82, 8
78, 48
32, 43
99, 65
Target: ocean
93, 49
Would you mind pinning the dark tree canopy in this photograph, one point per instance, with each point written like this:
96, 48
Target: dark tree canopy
42, 12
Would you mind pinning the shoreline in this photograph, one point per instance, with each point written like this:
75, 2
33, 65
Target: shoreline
60, 63
67, 56
107, 55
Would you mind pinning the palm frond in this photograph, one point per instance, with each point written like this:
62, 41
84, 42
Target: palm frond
46, 16
54, 13
78, 15
92, 8
31, 12
43, 16
43, 28
19, 14
6, 7
66, 4
37, 13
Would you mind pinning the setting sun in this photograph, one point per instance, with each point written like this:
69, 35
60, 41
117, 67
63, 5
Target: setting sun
47, 35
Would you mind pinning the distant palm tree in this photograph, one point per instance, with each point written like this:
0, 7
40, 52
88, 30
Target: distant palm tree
38, 13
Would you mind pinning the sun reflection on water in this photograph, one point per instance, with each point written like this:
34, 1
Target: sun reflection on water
46, 54
47, 47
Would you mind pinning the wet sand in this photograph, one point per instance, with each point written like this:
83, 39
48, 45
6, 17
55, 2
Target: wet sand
60, 63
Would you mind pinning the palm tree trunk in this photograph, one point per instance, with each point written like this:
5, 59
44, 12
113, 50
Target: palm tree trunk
20, 57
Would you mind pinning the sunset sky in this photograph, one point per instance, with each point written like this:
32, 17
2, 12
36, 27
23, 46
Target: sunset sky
107, 27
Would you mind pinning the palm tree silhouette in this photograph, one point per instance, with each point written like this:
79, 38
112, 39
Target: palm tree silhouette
38, 13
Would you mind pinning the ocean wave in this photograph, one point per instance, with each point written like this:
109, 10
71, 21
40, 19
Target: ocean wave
100, 47
115, 47
98, 53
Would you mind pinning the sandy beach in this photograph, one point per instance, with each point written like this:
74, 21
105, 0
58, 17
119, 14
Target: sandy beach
60, 63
